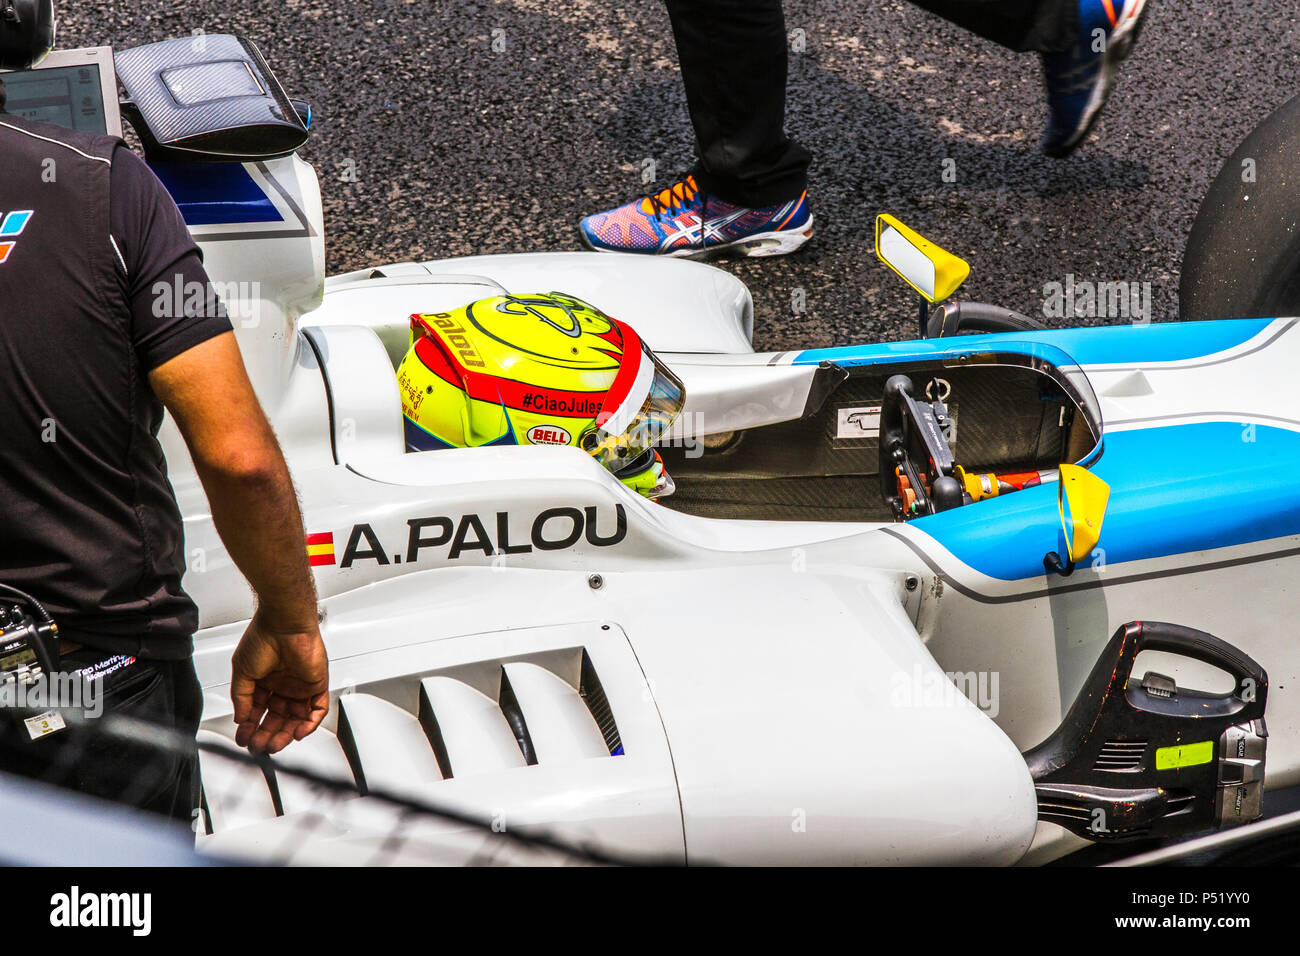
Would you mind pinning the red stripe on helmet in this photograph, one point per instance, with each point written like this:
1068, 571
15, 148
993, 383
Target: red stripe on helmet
629, 368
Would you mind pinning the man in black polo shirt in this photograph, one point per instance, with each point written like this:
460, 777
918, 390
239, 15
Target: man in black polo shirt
88, 521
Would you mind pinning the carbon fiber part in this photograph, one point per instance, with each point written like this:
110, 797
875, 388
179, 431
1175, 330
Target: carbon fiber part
208, 98
1006, 418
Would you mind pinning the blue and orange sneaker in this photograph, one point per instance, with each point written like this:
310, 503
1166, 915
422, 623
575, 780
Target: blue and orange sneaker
684, 222
1080, 80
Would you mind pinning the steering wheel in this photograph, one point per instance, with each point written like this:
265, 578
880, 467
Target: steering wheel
916, 464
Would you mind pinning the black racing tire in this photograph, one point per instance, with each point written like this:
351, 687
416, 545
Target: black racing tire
1243, 255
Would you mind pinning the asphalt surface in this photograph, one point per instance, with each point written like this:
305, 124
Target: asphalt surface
494, 126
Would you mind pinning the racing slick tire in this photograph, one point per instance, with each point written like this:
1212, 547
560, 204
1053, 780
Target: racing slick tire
1243, 255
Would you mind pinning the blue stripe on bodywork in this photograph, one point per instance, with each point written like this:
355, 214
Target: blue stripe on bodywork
1173, 490
216, 194
1106, 345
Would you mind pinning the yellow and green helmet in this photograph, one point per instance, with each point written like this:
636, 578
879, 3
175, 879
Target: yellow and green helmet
545, 369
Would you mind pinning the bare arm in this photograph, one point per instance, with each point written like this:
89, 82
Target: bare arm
280, 677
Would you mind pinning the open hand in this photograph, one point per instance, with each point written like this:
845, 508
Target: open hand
279, 685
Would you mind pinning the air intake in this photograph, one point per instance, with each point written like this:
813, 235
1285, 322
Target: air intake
1120, 755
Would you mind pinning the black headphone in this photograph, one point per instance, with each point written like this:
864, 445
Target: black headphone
26, 32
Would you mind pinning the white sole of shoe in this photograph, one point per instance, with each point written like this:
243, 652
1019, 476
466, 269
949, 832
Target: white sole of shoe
778, 243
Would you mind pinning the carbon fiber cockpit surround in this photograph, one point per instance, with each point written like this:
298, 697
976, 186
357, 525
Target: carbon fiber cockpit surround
1005, 418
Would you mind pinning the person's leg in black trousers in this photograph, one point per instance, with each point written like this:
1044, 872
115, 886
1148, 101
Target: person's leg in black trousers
745, 194
1082, 43
82, 757
733, 56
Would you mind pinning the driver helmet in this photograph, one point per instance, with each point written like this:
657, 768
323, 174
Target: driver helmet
544, 369
26, 33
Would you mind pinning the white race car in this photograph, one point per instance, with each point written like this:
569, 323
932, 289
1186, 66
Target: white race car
900, 609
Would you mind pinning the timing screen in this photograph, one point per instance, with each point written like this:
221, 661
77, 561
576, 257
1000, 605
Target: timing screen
68, 96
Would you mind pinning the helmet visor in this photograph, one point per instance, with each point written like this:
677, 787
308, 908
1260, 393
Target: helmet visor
643, 417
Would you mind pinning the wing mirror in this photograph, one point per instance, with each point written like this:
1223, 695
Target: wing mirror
933, 272
1081, 499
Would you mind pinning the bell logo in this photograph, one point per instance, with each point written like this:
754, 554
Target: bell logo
548, 435
12, 225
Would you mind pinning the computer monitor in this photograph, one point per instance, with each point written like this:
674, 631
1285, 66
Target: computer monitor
76, 89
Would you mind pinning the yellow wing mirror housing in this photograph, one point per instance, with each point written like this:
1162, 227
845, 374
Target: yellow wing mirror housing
1081, 499
933, 272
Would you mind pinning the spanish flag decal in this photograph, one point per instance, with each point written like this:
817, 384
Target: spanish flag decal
320, 548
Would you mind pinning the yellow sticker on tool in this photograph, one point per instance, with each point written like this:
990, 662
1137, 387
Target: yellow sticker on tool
1185, 755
